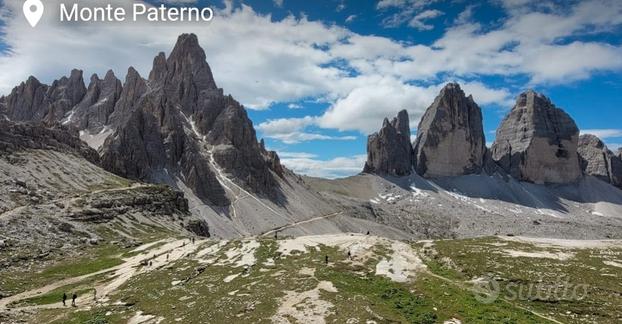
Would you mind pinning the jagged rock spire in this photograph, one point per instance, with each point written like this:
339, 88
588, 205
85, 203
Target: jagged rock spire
450, 136
389, 151
537, 142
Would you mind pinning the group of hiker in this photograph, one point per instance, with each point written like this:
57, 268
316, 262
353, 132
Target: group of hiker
74, 296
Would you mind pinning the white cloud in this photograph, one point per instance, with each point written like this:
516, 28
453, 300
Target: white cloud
419, 21
294, 106
296, 155
261, 60
350, 18
292, 130
278, 3
603, 133
334, 168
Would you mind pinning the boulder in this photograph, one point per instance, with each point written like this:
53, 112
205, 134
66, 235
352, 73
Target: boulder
450, 137
537, 142
389, 151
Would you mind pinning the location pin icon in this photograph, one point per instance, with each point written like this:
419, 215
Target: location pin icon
33, 10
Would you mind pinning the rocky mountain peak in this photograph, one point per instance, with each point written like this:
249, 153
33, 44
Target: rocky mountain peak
98, 103
450, 137
180, 126
187, 64
401, 123
389, 151
598, 161
537, 142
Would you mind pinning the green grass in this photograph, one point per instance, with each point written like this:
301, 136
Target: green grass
531, 282
254, 296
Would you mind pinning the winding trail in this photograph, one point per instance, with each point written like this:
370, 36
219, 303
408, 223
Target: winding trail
134, 265
310, 220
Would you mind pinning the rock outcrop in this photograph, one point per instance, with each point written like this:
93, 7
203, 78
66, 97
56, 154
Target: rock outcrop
20, 136
598, 161
389, 151
98, 104
537, 142
33, 101
450, 137
184, 126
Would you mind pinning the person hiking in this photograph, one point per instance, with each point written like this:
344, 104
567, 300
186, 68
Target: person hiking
326, 259
349, 255
64, 299
73, 299
367, 232
94, 295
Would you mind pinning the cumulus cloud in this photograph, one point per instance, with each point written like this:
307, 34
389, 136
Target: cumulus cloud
334, 168
362, 78
419, 20
603, 133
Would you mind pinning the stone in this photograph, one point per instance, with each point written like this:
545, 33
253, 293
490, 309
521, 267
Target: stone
537, 142
598, 161
450, 137
132, 91
185, 127
98, 104
198, 227
15, 137
389, 151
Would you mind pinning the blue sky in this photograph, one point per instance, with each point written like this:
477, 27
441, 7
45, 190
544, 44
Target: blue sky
318, 76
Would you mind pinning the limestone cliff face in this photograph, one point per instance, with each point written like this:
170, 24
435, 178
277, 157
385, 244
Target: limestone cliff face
389, 151
450, 137
179, 123
598, 161
33, 101
21, 136
537, 142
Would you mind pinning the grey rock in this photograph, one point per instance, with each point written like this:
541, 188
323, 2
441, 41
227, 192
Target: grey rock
28, 101
389, 151
34, 101
598, 161
198, 227
133, 90
537, 142
176, 127
64, 94
450, 137
15, 137
98, 104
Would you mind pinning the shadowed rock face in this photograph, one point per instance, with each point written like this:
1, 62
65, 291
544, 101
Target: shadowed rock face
21, 136
389, 151
450, 137
183, 122
98, 104
34, 101
537, 142
598, 161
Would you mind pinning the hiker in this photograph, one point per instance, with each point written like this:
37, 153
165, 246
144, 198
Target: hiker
367, 232
326, 259
94, 295
150, 263
73, 299
64, 299
349, 255
276, 235
167, 257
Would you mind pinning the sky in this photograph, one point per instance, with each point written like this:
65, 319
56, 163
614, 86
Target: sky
317, 77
